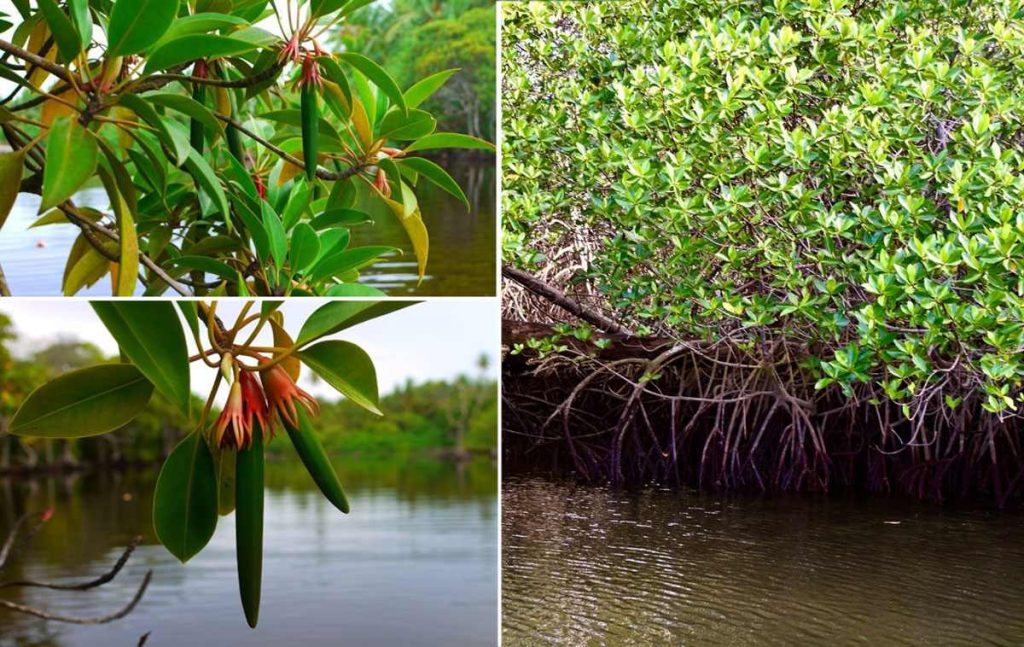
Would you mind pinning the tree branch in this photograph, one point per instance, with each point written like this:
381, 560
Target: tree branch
99, 620
82, 586
38, 61
562, 300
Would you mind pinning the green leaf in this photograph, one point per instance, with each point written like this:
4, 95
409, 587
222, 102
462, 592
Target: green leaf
347, 261
276, 235
421, 90
82, 19
178, 146
398, 126
207, 179
437, 175
136, 24
12, 165
448, 140
305, 247
195, 46
86, 402
69, 43
342, 217
298, 202
71, 158
347, 368
354, 290
311, 452
185, 499
338, 315
204, 264
200, 23
187, 106
150, 334
191, 314
376, 74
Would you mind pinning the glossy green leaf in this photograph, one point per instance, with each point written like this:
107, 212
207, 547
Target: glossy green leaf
200, 23
86, 402
354, 290
347, 368
136, 24
71, 158
150, 334
314, 458
398, 126
82, 19
378, 75
275, 234
343, 217
422, 90
336, 316
305, 247
348, 260
205, 264
69, 43
187, 106
448, 140
185, 499
208, 180
437, 175
195, 46
191, 313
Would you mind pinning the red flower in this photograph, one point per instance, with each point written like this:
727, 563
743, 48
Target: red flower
282, 394
310, 72
245, 404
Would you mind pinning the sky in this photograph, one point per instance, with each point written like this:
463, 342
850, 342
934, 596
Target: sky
435, 339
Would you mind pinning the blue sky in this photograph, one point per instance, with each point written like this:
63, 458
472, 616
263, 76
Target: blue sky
434, 339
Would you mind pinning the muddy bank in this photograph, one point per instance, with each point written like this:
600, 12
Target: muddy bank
723, 418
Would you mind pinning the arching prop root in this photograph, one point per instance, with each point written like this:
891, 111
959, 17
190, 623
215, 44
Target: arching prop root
722, 417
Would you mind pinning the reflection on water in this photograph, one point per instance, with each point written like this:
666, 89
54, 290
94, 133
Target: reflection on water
415, 563
462, 245
585, 565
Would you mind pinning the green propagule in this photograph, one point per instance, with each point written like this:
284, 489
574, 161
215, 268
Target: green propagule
196, 484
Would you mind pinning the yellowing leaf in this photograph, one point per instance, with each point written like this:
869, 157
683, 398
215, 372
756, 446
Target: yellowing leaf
291, 364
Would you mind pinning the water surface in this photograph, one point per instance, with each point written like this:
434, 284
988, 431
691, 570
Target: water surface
590, 566
415, 563
461, 260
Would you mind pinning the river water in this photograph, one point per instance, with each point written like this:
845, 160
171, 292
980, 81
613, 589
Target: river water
461, 260
415, 563
584, 565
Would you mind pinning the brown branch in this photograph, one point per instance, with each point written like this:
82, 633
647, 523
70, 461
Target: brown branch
82, 586
160, 80
38, 61
99, 620
562, 300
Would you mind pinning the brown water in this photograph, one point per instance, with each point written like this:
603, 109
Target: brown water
415, 563
589, 566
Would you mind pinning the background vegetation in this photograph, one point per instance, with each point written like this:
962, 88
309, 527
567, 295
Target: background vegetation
406, 37
435, 418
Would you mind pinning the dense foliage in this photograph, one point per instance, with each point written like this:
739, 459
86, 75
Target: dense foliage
846, 175
239, 157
